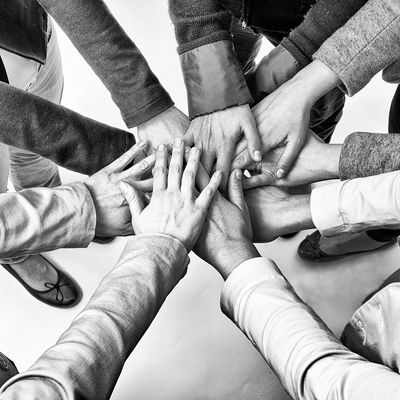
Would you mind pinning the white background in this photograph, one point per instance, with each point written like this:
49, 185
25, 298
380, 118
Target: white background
191, 351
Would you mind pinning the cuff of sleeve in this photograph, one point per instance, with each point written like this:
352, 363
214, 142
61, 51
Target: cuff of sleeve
242, 280
301, 58
325, 210
162, 103
213, 78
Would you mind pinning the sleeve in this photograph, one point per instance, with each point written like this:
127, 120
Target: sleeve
213, 77
43, 219
309, 361
88, 358
57, 133
367, 44
366, 154
357, 205
322, 20
113, 57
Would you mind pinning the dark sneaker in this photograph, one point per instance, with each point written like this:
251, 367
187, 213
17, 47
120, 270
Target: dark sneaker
316, 248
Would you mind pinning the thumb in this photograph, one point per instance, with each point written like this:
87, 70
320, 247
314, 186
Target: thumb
133, 199
288, 157
188, 138
253, 140
235, 190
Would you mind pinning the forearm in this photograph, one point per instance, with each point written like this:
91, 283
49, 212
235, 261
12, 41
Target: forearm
309, 361
321, 21
367, 154
57, 133
202, 29
113, 57
43, 219
357, 205
89, 356
365, 45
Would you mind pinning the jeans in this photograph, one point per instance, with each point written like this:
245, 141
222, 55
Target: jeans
28, 169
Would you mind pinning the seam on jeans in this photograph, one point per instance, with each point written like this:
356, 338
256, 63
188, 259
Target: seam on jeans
369, 44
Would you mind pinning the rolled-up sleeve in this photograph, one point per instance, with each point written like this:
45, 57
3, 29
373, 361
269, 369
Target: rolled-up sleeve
307, 358
357, 205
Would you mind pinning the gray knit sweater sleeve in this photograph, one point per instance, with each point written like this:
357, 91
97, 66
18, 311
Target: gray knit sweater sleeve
367, 44
366, 154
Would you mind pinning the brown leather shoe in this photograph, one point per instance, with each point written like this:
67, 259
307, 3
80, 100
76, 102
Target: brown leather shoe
62, 292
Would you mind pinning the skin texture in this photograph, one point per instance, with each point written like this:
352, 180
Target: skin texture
316, 162
216, 136
164, 128
283, 117
112, 212
174, 209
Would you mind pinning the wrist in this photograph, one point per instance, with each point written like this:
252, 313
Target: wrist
234, 253
327, 158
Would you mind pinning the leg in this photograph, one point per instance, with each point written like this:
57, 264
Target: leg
29, 169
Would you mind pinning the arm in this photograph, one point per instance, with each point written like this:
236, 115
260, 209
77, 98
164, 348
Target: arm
44, 219
55, 132
113, 56
89, 356
309, 361
365, 45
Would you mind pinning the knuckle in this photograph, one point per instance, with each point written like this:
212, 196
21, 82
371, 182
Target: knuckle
143, 165
159, 170
189, 174
175, 168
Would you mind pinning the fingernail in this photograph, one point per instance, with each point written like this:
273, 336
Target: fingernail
239, 174
143, 165
142, 143
193, 151
280, 173
177, 142
123, 187
257, 155
218, 174
161, 147
187, 149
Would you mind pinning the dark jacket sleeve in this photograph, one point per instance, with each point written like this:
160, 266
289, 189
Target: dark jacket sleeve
57, 133
321, 21
213, 78
366, 154
113, 57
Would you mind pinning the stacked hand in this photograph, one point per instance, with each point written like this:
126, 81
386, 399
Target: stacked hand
174, 209
112, 212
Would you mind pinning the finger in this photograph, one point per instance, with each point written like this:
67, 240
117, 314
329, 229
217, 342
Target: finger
143, 186
240, 147
207, 194
253, 140
139, 169
160, 169
189, 175
258, 180
242, 160
207, 159
175, 166
224, 161
235, 189
121, 162
202, 177
189, 137
288, 157
133, 199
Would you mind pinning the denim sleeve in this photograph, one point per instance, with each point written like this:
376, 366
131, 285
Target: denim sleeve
113, 57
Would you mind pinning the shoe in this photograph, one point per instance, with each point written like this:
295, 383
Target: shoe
64, 292
316, 248
103, 239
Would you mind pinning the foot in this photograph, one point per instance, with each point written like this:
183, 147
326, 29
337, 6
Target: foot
45, 282
317, 248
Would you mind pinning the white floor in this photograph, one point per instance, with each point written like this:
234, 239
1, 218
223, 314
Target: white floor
191, 352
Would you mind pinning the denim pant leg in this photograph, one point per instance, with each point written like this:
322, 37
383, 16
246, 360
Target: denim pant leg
28, 169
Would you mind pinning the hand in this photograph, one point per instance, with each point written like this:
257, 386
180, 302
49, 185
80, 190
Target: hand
283, 117
173, 210
164, 128
226, 239
274, 212
316, 162
216, 135
113, 217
